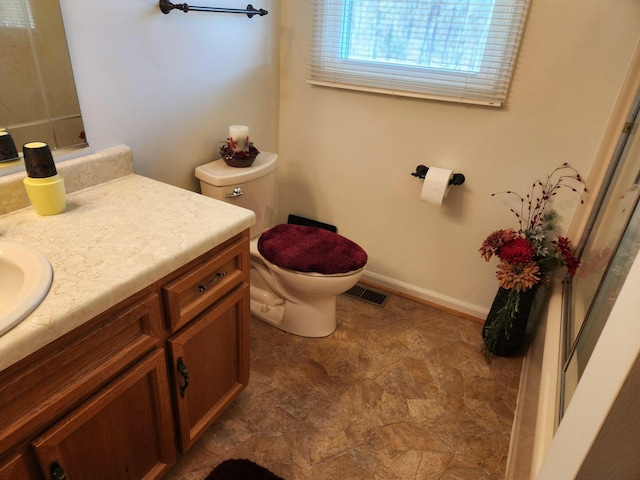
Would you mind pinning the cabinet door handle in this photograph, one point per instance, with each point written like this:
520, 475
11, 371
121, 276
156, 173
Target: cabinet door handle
57, 473
182, 368
202, 288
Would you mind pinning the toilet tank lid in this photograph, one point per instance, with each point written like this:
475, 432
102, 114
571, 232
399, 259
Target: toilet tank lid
220, 174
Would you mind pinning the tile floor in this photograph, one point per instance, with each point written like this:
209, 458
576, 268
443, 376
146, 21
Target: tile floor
399, 392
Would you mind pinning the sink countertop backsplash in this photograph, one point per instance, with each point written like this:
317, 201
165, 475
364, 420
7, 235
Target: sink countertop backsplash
78, 174
120, 233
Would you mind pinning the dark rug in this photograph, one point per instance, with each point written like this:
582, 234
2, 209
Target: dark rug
241, 469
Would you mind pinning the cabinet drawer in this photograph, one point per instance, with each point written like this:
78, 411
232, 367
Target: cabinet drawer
202, 286
61, 375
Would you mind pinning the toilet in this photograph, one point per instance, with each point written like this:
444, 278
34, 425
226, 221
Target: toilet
296, 271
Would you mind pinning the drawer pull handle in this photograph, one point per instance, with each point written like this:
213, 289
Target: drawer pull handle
57, 473
182, 368
202, 288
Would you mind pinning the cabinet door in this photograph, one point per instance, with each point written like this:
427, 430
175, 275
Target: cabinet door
210, 364
124, 431
16, 467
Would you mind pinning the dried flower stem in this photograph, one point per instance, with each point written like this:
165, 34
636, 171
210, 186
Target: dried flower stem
535, 216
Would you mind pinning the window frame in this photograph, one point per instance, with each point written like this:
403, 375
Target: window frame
489, 86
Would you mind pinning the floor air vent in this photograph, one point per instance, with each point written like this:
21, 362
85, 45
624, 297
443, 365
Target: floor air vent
367, 294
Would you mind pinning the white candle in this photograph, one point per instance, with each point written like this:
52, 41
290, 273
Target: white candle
239, 136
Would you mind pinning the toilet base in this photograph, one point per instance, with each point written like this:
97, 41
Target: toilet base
314, 318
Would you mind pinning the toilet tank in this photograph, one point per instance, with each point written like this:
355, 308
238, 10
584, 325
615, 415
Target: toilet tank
254, 187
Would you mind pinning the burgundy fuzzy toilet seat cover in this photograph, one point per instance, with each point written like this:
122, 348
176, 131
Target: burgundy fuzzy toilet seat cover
310, 249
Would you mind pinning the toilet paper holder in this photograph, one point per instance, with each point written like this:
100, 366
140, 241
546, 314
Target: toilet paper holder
421, 172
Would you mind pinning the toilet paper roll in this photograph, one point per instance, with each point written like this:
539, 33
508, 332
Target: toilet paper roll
436, 185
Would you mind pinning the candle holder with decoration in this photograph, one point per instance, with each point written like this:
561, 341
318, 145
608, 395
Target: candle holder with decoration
237, 150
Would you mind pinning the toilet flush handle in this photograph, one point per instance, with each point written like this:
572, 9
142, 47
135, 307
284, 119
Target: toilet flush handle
237, 192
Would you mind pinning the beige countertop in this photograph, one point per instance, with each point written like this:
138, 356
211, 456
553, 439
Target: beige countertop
113, 240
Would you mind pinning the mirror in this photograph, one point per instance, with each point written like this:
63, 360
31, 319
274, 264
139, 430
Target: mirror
38, 100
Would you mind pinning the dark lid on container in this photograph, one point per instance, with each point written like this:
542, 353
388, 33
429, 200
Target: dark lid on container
38, 160
7, 147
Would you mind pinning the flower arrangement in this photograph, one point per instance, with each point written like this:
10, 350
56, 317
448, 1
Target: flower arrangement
238, 158
527, 257
237, 150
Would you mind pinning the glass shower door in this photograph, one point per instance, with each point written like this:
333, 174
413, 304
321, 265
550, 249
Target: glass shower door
607, 252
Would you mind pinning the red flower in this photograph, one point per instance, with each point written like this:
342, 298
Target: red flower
564, 248
518, 250
495, 241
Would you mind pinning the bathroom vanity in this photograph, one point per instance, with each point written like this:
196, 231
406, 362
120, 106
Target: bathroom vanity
141, 342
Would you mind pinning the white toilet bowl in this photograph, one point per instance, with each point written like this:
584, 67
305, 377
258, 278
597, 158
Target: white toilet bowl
300, 303
287, 294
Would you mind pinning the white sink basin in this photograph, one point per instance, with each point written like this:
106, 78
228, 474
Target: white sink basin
25, 278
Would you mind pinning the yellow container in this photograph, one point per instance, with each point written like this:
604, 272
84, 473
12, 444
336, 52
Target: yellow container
47, 195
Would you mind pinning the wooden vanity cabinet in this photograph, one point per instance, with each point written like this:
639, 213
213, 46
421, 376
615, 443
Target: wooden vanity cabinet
100, 402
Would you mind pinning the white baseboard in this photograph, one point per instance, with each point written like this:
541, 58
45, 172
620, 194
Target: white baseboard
426, 295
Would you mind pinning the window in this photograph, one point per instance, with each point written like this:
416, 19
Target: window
456, 50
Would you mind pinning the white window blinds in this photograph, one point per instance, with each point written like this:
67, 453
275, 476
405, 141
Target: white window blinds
455, 50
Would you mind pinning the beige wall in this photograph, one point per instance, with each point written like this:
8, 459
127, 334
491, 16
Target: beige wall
347, 156
170, 85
